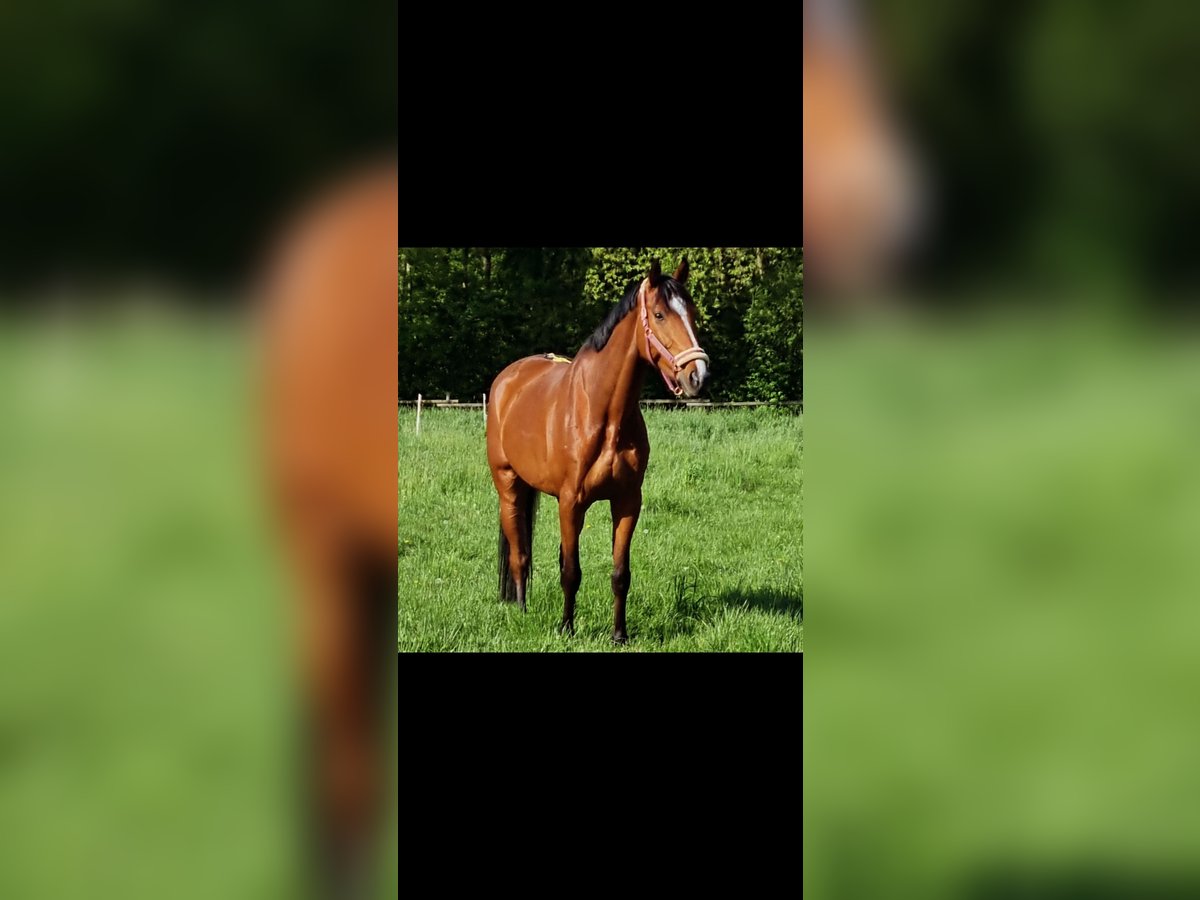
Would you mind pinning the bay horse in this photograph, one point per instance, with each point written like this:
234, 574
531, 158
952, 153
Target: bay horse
328, 358
574, 431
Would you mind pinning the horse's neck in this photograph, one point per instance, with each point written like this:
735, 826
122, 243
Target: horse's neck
615, 375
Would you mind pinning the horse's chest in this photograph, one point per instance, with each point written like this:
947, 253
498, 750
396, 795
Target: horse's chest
617, 466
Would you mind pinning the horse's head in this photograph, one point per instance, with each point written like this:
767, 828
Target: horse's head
668, 318
865, 206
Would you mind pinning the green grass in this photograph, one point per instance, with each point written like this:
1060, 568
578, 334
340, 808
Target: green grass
717, 561
145, 733
1009, 513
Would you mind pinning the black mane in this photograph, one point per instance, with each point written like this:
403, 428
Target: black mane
626, 305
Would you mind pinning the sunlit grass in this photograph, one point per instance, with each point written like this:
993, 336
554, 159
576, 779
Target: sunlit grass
717, 560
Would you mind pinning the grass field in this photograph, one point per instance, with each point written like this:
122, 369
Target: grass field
145, 725
717, 561
1009, 509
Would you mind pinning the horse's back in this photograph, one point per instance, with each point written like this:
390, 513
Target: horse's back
534, 374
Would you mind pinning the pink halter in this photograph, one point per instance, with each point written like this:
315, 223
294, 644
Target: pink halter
677, 362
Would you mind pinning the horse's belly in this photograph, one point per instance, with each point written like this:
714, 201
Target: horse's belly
538, 478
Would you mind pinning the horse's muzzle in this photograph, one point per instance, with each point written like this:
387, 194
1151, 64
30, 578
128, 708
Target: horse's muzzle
693, 374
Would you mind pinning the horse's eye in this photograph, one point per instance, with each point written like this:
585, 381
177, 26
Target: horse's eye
658, 316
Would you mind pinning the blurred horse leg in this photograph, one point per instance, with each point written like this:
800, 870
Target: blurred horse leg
346, 601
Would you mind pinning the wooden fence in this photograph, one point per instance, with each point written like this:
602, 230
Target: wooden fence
672, 404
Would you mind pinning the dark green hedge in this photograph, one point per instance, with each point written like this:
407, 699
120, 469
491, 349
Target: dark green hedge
465, 313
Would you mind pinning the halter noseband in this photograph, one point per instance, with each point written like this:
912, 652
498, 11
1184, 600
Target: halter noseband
691, 354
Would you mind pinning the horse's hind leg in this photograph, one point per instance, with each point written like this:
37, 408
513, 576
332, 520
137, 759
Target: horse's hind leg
516, 514
344, 592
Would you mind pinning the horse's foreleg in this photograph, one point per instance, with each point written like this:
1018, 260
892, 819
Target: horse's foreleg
570, 520
625, 516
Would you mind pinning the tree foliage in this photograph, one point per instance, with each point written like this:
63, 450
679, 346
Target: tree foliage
465, 313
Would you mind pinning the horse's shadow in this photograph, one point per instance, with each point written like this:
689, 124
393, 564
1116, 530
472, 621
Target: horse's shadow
691, 609
766, 599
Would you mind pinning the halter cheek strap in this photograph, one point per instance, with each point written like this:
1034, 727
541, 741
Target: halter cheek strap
677, 362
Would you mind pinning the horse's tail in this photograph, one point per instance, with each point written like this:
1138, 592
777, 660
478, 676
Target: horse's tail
508, 585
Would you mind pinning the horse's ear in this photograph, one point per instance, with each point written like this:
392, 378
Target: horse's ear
681, 273
655, 272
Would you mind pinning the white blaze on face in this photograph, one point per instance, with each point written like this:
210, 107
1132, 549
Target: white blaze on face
676, 303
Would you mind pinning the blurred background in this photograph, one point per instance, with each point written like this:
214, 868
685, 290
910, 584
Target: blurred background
165, 140
1003, 393
153, 154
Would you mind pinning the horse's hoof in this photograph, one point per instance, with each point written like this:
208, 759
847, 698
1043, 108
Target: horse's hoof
620, 637
567, 628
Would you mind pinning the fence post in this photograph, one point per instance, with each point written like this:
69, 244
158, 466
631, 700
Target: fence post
485, 410
418, 413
